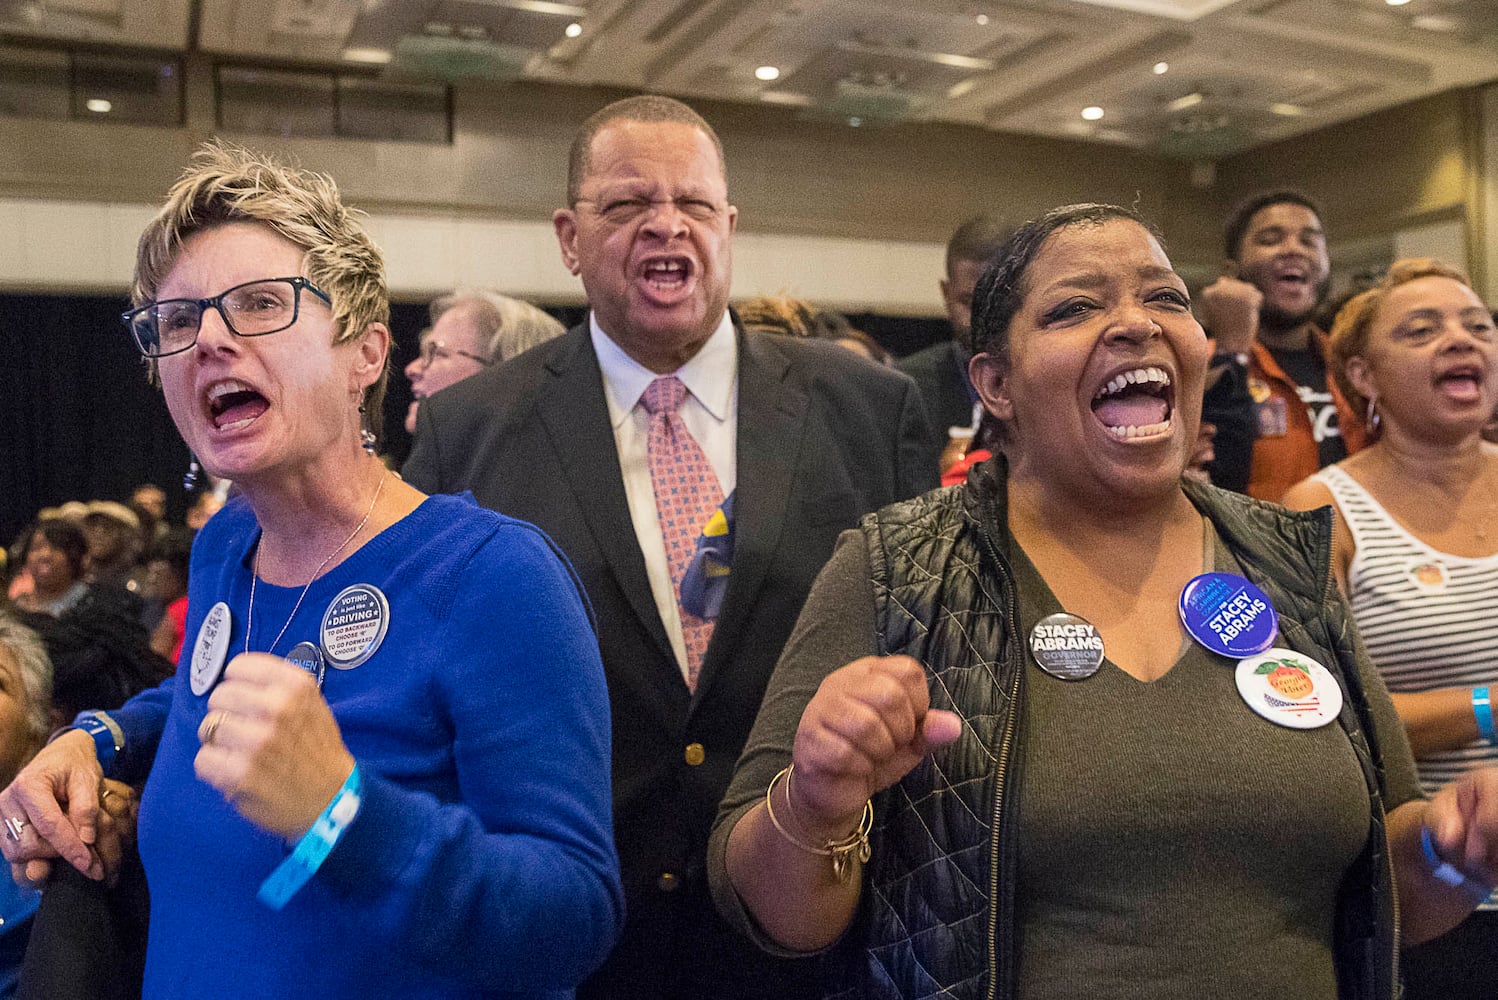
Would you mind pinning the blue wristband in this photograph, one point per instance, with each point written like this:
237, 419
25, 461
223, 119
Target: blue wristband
313, 849
1443, 870
1482, 708
109, 739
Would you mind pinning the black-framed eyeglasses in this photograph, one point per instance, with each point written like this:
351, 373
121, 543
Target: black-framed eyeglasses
432, 350
252, 309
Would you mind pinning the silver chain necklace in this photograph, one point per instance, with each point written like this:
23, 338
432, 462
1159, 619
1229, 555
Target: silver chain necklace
249, 618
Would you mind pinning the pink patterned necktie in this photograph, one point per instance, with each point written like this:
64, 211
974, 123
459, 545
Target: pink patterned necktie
686, 494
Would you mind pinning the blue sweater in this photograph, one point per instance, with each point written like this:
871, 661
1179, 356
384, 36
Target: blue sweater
481, 861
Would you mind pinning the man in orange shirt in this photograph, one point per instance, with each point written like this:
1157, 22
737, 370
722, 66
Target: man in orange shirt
1271, 355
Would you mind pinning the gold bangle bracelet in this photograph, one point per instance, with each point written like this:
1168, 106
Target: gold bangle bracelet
842, 851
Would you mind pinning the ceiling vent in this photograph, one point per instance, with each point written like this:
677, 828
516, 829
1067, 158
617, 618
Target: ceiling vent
436, 57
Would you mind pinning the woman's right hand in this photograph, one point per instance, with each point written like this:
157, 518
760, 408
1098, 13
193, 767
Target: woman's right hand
55, 801
867, 726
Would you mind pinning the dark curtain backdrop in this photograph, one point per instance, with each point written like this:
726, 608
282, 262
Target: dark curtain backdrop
82, 423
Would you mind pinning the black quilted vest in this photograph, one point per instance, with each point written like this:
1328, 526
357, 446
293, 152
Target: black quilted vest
937, 918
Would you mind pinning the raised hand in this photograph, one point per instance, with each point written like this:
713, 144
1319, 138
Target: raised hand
271, 745
869, 723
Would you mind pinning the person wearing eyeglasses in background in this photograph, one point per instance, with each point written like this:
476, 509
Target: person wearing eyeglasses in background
472, 330
345, 797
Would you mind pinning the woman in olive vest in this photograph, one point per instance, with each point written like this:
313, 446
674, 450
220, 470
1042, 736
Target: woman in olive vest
1077, 727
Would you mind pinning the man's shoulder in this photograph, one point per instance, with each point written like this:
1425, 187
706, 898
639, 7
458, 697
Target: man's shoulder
822, 362
927, 358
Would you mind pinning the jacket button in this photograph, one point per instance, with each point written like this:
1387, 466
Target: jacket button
668, 882
695, 754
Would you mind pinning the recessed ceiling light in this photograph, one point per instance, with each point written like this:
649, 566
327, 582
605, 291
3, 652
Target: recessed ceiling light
767, 73
855, 121
1396, 3
1191, 100
1161, 68
379, 56
573, 30
98, 105
981, 19
1287, 110
1092, 113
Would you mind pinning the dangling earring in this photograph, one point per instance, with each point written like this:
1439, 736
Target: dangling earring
366, 436
1372, 419
194, 473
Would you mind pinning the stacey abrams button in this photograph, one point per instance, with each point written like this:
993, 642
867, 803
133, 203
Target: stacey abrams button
1228, 615
1066, 646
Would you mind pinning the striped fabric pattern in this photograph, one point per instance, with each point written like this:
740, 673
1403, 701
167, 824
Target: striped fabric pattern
1429, 619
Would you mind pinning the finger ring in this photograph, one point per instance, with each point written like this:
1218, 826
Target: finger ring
104, 795
14, 825
210, 726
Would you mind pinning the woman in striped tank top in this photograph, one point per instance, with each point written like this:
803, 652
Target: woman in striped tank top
1415, 548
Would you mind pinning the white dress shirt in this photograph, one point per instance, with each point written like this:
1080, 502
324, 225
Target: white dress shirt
711, 413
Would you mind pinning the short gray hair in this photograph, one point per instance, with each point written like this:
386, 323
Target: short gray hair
36, 675
506, 326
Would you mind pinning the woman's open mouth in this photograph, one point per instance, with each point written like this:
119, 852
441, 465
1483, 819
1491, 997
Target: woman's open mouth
233, 404
1136, 403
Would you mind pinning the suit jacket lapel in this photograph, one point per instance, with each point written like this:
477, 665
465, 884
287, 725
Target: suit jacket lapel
772, 415
576, 417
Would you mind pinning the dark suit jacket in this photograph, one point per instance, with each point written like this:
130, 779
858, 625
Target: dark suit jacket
943, 389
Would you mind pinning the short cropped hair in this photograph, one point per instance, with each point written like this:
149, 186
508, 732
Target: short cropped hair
977, 239
1236, 227
1002, 286
35, 669
506, 326
1349, 334
644, 108
226, 183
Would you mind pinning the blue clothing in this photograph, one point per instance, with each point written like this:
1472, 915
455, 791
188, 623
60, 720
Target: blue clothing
17, 908
481, 861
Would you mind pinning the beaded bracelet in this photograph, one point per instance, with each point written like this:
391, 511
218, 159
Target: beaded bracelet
840, 851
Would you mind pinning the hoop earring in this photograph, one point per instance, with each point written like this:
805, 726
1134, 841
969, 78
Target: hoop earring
1371, 420
193, 475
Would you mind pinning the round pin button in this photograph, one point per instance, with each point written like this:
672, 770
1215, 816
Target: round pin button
1228, 615
1066, 646
354, 625
694, 754
1289, 689
307, 656
210, 649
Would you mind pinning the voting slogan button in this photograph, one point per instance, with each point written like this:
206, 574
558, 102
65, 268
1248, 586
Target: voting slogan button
1289, 689
354, 625
1066, 646
1228, 615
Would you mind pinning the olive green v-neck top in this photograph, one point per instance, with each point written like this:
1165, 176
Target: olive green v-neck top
1173, 845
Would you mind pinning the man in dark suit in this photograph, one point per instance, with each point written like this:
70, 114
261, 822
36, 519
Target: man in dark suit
802, 435
940, 371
